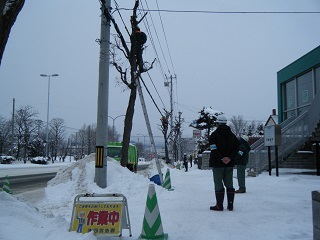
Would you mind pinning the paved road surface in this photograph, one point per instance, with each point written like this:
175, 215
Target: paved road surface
26, 178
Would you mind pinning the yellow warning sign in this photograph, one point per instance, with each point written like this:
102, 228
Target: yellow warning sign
101, 218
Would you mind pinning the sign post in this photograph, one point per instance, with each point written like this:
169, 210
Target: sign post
272, 137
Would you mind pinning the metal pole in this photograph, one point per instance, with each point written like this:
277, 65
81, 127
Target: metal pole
103, 98
113, 120
146, 117
318, 158
269, 160
12, 127
277, 161
47, 128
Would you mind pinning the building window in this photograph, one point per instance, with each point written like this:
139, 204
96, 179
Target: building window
299, 93
304, 89
317, 79
290, 95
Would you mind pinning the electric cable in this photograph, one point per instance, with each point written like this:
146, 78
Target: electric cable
151, 96
228, 12
155, 30
165, 37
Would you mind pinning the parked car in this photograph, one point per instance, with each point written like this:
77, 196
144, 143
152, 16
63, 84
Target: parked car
6, 159
39, 160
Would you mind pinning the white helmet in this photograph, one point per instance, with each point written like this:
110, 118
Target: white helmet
221, 119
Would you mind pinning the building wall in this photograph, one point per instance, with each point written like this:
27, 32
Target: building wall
297, 84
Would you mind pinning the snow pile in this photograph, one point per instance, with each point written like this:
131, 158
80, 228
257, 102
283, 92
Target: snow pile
273, 207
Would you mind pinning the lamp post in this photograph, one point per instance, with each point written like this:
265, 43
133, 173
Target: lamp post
113, 119
47, 129
144, 142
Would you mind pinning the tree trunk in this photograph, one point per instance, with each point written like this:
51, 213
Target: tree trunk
7, 20
128, 126
166, 151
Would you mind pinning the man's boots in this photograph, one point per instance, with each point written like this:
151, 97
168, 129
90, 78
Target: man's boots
219, 198
230, 196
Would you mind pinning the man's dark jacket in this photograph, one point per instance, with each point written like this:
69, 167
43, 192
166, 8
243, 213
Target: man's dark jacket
243, 154
226, 146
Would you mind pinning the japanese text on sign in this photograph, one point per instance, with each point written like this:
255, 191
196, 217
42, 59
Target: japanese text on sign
100, 218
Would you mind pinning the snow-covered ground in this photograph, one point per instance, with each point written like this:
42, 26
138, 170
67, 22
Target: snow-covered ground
273, 207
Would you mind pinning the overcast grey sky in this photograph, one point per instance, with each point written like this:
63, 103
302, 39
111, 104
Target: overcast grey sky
228, 61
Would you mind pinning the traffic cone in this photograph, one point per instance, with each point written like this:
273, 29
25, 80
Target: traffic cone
167, 181
6, 185
152, 226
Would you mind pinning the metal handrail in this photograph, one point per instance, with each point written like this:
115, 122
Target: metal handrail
294, 134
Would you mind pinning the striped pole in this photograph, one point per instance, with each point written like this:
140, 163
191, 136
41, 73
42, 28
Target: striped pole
167, 181
152, 226
6, 185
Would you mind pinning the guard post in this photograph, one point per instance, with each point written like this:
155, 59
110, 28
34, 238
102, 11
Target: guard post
104, 214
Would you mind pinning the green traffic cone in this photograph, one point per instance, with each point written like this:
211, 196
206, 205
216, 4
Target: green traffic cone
6, 185
167, 181
152, 226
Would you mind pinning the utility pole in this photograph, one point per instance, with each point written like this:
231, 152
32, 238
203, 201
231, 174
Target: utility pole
12, 126
179, 137
169, 84
103, 97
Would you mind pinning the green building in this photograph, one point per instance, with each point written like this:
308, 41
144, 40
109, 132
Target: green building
298, 83
298, 86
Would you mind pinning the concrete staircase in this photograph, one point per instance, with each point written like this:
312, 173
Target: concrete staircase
300, 160
305, 158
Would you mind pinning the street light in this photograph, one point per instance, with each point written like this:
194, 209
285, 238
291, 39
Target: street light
47, 129
113, 119
144, 142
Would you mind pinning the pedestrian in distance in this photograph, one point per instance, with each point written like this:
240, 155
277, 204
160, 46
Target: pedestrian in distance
185, 161
190, 159
242, 161
224, 149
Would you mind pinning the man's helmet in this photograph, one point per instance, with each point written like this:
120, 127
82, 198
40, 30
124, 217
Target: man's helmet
221, 119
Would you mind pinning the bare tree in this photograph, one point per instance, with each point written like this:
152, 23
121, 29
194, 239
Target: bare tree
56, 135
164, 127
238, 125
137, 66
5, 133
9, 10
26, 127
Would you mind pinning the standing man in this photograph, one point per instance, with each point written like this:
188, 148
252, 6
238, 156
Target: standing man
185, 161
242, 161
190, 159
224, 149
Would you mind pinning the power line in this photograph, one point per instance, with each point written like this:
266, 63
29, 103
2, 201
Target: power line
156, 90
117, 9
165, 37
155, 30
227, 12
151, 96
